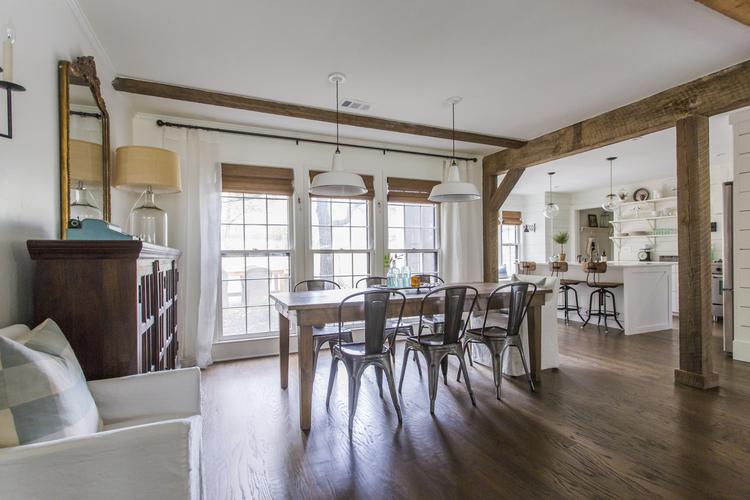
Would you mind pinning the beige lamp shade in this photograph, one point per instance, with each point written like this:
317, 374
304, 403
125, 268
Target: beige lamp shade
139, 167
86, 163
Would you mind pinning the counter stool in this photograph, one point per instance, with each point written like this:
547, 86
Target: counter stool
566, 286
603, 290
525, 267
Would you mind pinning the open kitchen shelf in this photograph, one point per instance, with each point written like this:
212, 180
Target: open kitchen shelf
651, 220
651, 202
651, 238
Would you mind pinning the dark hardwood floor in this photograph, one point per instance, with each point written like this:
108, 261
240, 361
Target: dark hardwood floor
609, 424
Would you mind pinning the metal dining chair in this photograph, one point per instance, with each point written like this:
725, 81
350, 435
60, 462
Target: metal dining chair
405, 330
434, 322
357, 356
498, 339
322, 334
435, 347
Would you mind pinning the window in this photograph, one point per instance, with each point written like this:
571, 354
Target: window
255, 248
413, 235
509, 237
341, 239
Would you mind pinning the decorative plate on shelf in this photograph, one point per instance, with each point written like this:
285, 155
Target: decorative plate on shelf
641, 194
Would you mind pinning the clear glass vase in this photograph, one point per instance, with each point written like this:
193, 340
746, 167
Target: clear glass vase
149, 222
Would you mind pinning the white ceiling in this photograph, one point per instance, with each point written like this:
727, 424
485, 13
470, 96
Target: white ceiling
648, 157
523, 68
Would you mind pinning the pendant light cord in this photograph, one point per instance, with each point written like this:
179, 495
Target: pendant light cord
337, 117
610, 177
550, 188
453, 105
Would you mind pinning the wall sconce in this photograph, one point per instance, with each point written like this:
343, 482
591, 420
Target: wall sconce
529, 228
9, 38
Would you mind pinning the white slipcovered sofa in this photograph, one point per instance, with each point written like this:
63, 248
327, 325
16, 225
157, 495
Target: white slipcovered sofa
512, 365
150, 446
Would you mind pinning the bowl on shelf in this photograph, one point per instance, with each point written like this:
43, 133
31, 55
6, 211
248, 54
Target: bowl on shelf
638, 233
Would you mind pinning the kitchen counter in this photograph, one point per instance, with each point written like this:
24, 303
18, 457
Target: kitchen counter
644, 300
616, 264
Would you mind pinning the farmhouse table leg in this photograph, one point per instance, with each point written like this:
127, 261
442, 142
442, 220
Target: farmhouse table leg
534, 316
306, 375
284, 350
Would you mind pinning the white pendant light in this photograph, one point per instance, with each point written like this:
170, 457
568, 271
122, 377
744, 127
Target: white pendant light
611, 202
551, 210
453, 190
337, 182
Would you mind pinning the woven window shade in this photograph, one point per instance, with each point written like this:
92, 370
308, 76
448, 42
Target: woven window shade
369, 184
510, 218
410, 190
249, 179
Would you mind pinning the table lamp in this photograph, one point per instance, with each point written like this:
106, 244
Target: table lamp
86, 169
148, 171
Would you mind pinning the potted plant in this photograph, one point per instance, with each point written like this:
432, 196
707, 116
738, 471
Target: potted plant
387, 261
561, 239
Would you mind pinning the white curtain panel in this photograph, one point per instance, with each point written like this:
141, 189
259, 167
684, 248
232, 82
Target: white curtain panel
461, 230
194, 228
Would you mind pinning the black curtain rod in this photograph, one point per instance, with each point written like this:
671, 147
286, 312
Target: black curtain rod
162, 123
87, 115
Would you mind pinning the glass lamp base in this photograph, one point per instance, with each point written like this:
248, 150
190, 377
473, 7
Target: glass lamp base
149, 223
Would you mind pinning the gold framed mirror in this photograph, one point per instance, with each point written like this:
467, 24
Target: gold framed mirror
84, 144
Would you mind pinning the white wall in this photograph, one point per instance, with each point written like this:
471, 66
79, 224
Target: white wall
29, 164
538, 245
534, 242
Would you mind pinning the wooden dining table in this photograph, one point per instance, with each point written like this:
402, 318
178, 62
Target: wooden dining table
301, 310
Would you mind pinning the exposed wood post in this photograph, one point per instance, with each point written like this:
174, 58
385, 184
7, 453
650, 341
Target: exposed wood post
489, 228
506, 186
694, 249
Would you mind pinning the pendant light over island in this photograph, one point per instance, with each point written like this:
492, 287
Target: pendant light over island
551, 209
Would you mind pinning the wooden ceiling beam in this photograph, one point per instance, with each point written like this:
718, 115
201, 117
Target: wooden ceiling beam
710, 95
166, 91
739, 10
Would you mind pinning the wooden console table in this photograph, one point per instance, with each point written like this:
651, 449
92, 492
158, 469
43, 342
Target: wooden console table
115, 301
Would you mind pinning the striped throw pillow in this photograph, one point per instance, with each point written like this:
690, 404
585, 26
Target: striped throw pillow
43, 393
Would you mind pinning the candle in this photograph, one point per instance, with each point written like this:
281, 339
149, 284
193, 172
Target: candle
8, 39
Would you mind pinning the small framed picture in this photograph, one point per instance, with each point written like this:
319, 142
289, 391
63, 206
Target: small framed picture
604, 220
592, 221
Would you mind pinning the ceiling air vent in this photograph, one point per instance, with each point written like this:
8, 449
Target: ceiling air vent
355, 105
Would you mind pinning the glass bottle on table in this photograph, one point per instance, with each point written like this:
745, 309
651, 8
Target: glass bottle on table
405, 275
390, 278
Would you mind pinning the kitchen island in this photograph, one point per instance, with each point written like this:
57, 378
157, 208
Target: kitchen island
644, 300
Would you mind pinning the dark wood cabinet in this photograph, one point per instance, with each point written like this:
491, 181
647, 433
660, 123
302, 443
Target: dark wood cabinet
115, 301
